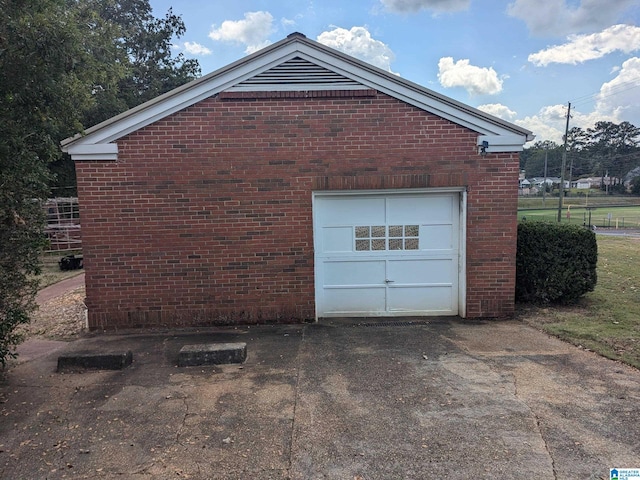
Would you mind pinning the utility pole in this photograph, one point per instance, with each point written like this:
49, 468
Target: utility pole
564, 164
544, 187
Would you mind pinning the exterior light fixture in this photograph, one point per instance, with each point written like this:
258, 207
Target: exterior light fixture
483, 148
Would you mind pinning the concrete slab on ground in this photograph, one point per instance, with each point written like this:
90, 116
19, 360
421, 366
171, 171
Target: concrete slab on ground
94, 360
335, 400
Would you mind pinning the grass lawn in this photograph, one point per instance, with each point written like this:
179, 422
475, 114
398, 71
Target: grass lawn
606, 320
622, 211
51, 272
577, 200
602, 216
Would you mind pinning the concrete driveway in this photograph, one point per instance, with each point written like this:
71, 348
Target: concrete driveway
352, 400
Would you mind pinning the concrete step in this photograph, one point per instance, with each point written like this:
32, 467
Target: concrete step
212, 354
94, 361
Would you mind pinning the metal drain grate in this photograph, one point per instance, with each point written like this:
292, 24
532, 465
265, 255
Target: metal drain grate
390, 324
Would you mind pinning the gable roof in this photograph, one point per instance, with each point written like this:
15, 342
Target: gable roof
295, 63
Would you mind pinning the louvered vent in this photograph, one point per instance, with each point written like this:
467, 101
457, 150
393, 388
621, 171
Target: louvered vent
297, 74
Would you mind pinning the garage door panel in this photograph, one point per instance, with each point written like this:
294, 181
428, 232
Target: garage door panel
413, 299
437, 237
421, 209
337, 239
355, 300
438, 271
354, 273
355, 211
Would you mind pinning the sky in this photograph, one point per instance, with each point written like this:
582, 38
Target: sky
520, 60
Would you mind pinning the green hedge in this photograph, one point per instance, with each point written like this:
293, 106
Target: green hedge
555, 263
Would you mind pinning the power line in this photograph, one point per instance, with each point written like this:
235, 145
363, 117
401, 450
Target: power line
617, 89
633, 82
578, 154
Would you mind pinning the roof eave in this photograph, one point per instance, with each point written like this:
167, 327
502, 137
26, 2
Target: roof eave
376, 77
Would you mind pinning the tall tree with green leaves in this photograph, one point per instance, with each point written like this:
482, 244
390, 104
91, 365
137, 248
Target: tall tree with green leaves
143, 53
124, 35
64, 65
532, 159
611, 145
42, 95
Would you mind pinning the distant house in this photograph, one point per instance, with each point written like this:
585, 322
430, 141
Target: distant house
524, 187
629, 177
294, 184
596, 182
540, 181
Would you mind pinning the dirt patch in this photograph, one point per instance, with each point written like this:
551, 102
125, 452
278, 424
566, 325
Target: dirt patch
539, 316
63, 317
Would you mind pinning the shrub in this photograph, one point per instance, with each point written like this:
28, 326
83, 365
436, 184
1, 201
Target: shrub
555, 263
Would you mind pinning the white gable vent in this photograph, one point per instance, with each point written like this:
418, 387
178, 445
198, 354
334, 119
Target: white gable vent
297, 74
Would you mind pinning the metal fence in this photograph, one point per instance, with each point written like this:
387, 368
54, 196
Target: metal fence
63, 224
601, 216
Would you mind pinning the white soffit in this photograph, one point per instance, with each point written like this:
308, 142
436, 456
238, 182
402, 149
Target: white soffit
501, 143
100, 151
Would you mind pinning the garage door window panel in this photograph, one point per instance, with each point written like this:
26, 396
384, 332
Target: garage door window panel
381, 237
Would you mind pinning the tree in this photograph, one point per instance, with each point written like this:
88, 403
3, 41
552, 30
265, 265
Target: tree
133, 49
42, 95
635, 186
577, 140
143, 51
532, 159
611, 147
606, 147
64, 64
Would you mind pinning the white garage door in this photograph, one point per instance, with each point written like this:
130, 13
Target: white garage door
386, 255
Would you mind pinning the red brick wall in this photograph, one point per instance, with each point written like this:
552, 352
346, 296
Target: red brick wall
206, 215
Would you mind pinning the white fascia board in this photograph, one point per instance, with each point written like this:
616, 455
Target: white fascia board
502, 143
227, 77
100, 152
162, 107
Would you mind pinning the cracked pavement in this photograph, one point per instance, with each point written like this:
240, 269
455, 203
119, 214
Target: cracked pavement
335, 400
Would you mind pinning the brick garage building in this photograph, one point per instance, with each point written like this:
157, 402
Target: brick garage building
294, 184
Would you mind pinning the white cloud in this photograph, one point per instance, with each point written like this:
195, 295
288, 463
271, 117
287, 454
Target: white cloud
412, 6
498, 110
287, 22
359, 43
476, 80
253, 31
560, 17
195, 48
620, 98
580, 48
548, 124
